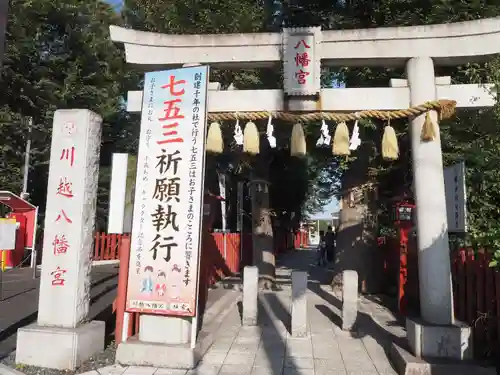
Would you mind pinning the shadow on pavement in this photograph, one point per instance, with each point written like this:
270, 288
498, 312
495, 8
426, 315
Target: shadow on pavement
364, 325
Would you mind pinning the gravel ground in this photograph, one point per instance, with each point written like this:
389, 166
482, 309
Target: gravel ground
102, 359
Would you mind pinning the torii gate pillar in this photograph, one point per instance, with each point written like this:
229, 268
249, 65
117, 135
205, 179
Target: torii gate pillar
433, 247
436, 334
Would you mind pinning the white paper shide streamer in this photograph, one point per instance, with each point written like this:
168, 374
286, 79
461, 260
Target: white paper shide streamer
325, 137
238, 133
269, 132
355, 141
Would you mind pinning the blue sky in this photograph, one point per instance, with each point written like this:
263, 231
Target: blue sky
333, 206
115, 3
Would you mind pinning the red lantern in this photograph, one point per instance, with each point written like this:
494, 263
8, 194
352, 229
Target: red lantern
403, 214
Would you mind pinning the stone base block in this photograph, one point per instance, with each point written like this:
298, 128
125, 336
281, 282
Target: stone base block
138, 353
59, 348
135, 352
168, 330
407, 364
437, 341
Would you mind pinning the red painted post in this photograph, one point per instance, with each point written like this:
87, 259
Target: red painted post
102, 251
462, 286
471, 292
96, 246
113, 246
490, 300
403, 271
121, 295
107, 241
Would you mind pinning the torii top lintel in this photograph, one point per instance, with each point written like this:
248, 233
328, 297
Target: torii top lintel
447, 44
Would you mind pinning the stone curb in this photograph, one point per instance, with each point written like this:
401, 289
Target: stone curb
382, 326
105, 262
220, 310
219, 307
407, 364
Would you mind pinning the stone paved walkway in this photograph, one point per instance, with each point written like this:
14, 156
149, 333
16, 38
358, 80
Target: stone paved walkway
268, 348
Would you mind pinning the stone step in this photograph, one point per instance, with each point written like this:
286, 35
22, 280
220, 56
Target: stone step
408, 364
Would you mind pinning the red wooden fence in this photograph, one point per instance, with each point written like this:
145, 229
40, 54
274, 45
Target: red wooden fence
477, 298
106, 246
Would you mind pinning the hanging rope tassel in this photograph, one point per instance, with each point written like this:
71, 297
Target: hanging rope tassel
298, 141
428, 130
215, 143
390, 148
341, 140
251, 139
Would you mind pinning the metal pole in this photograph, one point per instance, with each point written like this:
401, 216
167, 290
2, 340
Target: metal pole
125, 326
27, 158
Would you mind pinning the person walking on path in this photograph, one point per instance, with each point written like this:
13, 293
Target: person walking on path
321, 248
329, 240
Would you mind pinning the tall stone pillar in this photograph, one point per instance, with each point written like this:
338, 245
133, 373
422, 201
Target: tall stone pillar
436, 334
428, 181
62, 338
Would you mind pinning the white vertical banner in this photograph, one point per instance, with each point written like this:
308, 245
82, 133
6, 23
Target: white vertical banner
166, 233
223, 205
130, 194
117, 192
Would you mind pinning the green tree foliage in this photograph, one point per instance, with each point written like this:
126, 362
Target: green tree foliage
194, 16
58, 55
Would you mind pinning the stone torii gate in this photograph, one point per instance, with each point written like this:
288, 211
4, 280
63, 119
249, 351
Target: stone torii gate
419, 49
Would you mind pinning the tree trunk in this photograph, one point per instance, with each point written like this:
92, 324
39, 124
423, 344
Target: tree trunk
262, 234
356, 240
357, 236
